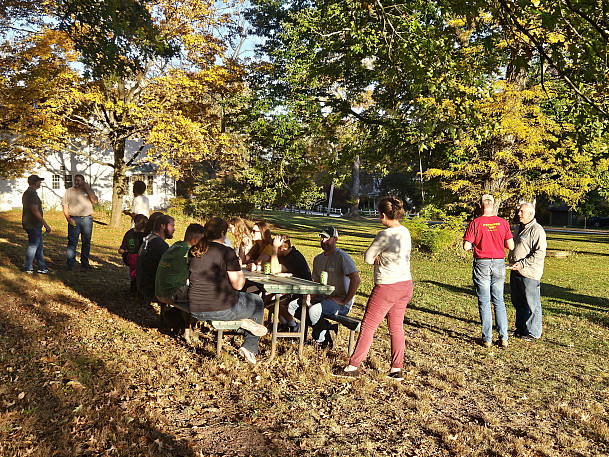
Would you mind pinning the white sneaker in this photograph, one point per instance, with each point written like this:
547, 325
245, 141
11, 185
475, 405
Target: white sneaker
253, 327
247, 355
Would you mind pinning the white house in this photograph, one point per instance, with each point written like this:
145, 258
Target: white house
59, 174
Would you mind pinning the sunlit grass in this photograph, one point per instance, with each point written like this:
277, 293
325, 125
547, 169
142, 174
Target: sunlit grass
85, 371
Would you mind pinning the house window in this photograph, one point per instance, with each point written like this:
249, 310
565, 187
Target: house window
68, 181
56, 182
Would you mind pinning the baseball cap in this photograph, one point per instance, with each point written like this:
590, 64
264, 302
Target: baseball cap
33, 179
487, 197
329, 232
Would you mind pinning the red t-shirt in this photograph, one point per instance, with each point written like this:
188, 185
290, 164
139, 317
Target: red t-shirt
488, 234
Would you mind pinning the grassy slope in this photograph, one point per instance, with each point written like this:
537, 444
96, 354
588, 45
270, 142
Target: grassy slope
84, 371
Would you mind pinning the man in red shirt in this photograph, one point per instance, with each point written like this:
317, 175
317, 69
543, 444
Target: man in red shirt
489, 235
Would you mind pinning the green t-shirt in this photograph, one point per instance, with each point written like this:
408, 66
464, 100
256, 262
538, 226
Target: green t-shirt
30, 197
172, 271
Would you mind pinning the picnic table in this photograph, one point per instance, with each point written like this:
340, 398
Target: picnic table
283, 284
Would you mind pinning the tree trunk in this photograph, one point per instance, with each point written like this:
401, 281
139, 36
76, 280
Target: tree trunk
118, 182
354, 211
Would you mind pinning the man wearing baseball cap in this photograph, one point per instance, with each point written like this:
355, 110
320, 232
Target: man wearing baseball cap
489, 235
32, 221
342, 274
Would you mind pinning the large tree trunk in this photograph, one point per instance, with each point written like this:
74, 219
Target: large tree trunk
118, 182
354, 211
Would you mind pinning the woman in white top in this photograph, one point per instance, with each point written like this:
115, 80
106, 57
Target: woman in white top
390, 255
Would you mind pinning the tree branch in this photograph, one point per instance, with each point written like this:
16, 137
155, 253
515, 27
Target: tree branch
546, 56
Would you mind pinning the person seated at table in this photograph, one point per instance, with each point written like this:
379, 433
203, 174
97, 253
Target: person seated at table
151, 221
149, 255
215, 283
262, 247
287, 259
241, 232
342, 274
172, 272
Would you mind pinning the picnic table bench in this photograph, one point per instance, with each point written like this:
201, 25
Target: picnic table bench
219, 326
352, 323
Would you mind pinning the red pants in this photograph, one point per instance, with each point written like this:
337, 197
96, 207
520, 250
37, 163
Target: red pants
132, 261
385, 300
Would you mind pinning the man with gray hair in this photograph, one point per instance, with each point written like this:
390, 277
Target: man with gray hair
489, 235
527, 268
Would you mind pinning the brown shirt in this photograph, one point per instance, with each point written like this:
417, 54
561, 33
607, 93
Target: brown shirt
30, 197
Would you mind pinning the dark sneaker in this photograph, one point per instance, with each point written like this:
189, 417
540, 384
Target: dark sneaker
341, 373
88, 267
395, 375
44, 271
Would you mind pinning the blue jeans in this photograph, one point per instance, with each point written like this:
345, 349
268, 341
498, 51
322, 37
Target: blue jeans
34, 249
84, 230
249, 306
526, 298
326, 307
488, 276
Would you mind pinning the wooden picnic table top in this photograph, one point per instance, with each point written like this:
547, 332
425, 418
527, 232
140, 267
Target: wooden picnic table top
281, 284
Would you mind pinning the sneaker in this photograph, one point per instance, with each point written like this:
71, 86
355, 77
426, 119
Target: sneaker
28, 272
88, 267
44, 271
503, 343
395, 375
247, 355
528, 337
341, 373
254, 328
487, 344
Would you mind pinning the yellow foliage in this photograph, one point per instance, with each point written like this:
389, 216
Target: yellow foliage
516, 152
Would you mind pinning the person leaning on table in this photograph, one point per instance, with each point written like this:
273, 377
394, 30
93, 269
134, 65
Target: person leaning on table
390, 255
527, 268
215, 283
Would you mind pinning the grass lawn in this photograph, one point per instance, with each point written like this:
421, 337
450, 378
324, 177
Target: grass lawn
85, 371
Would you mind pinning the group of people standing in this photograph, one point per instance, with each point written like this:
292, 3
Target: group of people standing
489, 236
78, 204
205, 270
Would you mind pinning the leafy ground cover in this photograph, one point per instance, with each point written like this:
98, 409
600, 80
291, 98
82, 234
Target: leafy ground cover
84, 370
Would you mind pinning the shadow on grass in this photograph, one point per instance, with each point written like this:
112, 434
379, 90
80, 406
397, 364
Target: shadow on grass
62, 395
92, 284
565, 294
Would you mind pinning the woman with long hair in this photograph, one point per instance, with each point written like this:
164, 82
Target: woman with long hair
262, 248
215, 283
390, 255
241, 232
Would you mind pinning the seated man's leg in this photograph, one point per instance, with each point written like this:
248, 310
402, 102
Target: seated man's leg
327, 307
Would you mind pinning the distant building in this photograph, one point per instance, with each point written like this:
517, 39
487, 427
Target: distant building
59, 174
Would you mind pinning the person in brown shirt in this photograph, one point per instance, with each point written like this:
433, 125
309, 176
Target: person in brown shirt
32, 221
